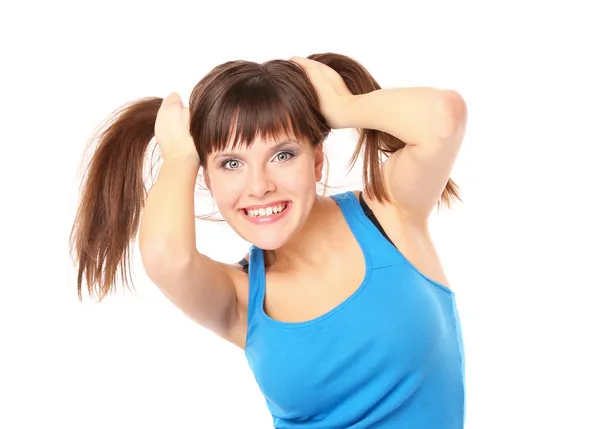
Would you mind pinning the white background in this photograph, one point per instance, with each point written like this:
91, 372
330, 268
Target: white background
520, 251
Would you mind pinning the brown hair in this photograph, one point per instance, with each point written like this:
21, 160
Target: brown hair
266, 99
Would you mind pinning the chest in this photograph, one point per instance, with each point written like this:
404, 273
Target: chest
317, 291
314, 293
389, 329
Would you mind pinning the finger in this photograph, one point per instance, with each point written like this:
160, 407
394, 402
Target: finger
303, 62
172, 99
186, 115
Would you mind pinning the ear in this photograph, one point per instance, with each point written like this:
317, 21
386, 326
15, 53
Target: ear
319, 161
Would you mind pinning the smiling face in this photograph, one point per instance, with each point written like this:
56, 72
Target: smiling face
259, 132
266, 190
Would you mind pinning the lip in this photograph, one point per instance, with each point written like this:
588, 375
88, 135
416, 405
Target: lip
264, 206
258, 220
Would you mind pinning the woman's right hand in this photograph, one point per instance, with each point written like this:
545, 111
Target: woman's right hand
172, 129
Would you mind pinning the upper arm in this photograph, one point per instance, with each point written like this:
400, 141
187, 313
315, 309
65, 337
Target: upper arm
204, 289
416, 175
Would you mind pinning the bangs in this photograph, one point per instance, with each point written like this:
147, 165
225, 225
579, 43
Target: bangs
260, 105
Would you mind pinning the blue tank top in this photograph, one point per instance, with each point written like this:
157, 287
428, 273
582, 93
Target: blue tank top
389, 356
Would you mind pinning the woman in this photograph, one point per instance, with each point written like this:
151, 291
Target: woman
342, 306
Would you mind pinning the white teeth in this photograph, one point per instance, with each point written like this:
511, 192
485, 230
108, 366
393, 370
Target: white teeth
266, 211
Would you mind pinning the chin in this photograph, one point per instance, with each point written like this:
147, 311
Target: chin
266, 238
268, 243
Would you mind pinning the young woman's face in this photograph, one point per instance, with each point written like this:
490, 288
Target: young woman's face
265, 192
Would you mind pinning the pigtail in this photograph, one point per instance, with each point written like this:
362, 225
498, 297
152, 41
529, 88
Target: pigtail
112, 195
373, 144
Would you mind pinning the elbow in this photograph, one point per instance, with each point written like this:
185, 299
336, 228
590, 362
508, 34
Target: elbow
452, 115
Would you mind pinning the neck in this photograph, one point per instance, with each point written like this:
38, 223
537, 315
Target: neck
309, 246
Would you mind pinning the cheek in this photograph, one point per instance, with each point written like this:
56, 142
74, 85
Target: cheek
226, 190
301, 177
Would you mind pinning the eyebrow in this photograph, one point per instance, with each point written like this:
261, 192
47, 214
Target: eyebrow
274, 149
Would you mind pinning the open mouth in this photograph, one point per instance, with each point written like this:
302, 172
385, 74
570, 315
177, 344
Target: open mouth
267, 212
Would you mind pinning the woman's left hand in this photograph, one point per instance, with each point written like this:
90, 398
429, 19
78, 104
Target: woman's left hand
332, 91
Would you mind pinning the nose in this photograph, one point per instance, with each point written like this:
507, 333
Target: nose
260, 183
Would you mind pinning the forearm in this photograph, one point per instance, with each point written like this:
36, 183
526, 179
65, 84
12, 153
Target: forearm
168, 220
413, 115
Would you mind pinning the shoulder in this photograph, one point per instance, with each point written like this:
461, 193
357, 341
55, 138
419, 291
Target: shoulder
239, 278
391, 214
238, 272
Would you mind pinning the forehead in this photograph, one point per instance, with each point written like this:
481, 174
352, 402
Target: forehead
259, 141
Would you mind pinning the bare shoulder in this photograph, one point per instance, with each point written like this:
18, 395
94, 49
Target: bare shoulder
239, 277
391, 214
240, 280
411, 236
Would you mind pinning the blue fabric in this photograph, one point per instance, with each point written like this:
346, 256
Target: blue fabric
390, 356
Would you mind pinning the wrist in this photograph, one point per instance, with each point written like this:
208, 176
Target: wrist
180, 163
189, 160
352, 112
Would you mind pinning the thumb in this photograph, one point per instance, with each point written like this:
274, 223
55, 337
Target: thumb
186, 115
172, 99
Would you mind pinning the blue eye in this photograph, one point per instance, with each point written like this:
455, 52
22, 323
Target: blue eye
284, 156
230, 164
